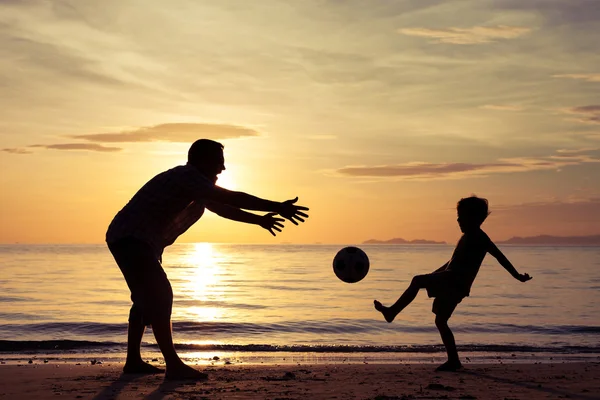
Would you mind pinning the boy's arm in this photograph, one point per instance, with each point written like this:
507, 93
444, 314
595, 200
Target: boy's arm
268, 221
498, 255
286, 209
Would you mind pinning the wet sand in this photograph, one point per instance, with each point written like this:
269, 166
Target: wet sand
334, 381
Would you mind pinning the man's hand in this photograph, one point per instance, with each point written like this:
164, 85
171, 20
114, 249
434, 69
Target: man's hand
270, 223
523, 277
292, 212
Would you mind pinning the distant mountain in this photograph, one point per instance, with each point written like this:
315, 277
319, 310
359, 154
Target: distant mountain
593, 240
401, 241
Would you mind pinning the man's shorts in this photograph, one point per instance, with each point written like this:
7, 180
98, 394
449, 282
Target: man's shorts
445, 286
151, 291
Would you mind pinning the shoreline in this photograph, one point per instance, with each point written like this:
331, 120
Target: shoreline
327, 381
218, 357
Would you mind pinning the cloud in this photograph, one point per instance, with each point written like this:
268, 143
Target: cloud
502, 107
173, 132
588, 114
78, 146
473, 35
585, 77
428, 171
16, 151
417, 169
577, 151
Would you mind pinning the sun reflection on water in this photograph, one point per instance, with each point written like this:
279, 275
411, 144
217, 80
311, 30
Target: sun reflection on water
202, 281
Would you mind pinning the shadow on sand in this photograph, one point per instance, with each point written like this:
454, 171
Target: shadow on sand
527, 385
113, 390
162, 390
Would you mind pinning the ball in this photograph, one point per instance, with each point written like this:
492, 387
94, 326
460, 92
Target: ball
351, 264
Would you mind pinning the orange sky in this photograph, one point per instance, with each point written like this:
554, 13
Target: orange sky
379, 116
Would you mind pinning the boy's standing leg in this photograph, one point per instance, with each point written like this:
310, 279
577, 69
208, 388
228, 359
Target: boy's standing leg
443, 307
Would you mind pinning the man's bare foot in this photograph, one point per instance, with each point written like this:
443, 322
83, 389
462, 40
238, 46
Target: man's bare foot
388, 314
450, 366
141, 367
184, 372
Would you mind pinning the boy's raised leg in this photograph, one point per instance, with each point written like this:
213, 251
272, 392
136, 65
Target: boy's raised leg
389, 313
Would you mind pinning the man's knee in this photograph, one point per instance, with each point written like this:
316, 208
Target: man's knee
441, 322
157, 288
161, 298
136, 315
156, 299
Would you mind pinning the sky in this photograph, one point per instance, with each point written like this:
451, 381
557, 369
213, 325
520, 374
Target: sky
378, 115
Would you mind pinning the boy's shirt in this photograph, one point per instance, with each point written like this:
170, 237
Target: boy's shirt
467, 258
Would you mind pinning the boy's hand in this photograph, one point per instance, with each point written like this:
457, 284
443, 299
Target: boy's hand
270, 223
292, 212
523, 277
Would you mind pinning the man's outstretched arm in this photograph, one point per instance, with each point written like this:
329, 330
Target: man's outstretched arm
498, 255
268, 221
286, 209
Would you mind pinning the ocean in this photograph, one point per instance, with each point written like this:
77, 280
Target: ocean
283, 304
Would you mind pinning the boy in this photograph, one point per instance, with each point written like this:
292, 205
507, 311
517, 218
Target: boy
163, 209
452, 282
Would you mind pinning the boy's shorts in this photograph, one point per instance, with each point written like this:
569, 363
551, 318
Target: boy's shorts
151, 291
445, 287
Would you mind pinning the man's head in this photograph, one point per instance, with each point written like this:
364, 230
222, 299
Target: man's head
472, 211
207, 156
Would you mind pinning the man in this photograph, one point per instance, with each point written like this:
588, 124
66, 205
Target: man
158, 213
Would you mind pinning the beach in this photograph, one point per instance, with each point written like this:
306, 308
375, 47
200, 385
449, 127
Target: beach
332, 381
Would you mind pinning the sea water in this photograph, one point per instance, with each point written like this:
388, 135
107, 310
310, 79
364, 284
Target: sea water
283, 303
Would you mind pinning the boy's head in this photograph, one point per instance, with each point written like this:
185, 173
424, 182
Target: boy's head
472, 211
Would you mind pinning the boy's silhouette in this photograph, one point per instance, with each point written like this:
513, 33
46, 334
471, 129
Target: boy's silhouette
158, 213
452, 282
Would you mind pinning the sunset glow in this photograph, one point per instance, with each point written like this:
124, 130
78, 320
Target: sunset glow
378, 115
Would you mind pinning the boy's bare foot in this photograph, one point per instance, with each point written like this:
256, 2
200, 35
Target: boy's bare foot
388, 314
184, 372
450, 366
141, 367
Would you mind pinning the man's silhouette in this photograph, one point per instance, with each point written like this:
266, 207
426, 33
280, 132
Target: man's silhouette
158, 213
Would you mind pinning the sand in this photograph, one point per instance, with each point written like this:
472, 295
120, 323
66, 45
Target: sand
333, 381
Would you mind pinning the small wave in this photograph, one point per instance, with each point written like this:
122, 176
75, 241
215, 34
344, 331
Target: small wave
10, 346
13, 299
53, 345
335, 326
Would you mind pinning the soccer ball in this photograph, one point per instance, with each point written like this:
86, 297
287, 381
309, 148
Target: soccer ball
351, 264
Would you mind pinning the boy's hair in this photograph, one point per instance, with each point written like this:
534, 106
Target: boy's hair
473, 207
202, 149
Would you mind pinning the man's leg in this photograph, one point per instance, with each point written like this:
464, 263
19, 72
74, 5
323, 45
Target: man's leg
135, 331
176, 368
130, 256
159, 302
417, 283
443, 313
